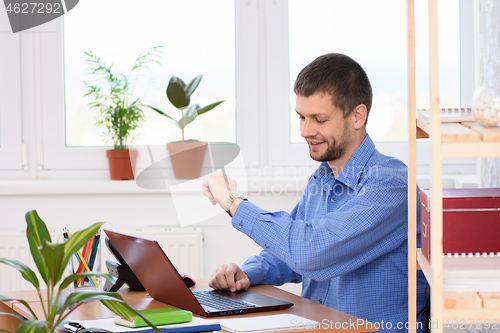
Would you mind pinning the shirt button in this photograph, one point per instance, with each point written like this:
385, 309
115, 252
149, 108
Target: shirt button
320, 301
240, 225
266, 245
333, 199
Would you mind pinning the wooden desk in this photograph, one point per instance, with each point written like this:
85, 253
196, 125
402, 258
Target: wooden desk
331, 320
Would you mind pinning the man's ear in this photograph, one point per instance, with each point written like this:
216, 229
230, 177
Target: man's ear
360, 113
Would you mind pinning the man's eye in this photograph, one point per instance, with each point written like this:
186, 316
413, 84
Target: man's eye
321, 121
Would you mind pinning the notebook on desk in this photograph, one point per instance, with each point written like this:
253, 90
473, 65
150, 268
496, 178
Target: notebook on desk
162, 281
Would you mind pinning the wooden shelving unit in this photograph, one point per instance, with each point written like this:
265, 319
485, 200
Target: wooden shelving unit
450, 140
465, 139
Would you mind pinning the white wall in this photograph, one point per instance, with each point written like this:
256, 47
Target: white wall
75, 204
128, 211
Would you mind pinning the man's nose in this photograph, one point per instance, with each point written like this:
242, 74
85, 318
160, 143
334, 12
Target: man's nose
307, 129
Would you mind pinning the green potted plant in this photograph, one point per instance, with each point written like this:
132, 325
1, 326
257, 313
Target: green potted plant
51, 260
186, 155
118, 111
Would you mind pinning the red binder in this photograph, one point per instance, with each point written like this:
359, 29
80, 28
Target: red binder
471, 221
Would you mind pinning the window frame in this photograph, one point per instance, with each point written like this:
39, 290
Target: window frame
34, 137
11, 142
56, 160
283, 152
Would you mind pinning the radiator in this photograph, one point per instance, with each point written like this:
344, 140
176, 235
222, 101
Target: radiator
184, 247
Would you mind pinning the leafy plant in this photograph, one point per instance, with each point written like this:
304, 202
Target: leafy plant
179, 95
51, 260
118, 111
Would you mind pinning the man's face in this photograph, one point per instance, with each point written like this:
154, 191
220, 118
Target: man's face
323, 126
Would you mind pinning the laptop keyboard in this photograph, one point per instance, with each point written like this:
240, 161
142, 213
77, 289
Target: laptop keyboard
220, 302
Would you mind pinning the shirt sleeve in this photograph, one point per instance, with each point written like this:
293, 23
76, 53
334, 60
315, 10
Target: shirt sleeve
267, 269
367, 226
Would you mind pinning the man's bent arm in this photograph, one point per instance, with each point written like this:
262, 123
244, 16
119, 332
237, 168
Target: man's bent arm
267, 269
335, 243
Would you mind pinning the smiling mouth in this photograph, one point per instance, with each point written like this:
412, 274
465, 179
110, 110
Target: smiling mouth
315, 145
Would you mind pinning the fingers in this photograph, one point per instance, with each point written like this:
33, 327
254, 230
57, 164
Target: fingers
218, 279
217, 190
205, 188
243, 283
229, 277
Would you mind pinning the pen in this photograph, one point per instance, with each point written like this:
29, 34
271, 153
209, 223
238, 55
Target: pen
93, 252
73, 327
94, 283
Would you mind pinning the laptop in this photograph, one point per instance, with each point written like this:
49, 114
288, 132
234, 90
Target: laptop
162, 281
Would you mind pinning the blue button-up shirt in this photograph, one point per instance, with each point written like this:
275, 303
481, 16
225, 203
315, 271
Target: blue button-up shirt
346, 240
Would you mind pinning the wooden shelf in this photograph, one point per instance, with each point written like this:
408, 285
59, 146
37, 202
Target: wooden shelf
467, 305
472, 273
459, 139
480, 306
465, 139
425, 266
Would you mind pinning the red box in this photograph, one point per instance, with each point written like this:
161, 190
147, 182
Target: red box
471, 220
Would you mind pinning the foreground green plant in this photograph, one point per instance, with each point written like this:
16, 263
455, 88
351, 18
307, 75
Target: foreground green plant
179, 94
51, 260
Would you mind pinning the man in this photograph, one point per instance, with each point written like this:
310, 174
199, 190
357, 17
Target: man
346, 239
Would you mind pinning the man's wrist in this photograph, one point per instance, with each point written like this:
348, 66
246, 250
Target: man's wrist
234, 206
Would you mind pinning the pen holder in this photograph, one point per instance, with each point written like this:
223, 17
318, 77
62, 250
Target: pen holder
87, 259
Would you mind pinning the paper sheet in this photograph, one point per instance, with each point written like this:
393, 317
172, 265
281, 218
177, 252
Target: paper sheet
108, 324
267, 323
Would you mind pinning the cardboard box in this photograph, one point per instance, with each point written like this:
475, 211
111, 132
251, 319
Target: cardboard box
471, 221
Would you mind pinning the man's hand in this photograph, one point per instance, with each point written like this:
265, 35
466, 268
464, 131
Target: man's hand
229, 277
216, 189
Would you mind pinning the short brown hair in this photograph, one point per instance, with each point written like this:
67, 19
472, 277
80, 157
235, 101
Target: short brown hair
339, 76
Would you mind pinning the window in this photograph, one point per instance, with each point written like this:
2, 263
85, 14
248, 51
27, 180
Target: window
251, 50
197, 38
379, 45
197, 44
10, 100
376, 38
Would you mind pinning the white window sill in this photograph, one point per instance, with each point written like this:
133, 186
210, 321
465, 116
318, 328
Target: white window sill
257, 185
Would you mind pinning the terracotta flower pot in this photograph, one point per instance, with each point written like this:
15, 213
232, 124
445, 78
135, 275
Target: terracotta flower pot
187, 158
122, 163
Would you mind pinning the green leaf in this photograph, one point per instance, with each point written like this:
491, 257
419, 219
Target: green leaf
191, 110
124, 311
23, 302
11, 314
190, 114
78, 240
25, 271
127, 312
183, 122
53, 255
178, 80
191, 87
112, 301
208, 107
61, 300
32, 326
90, 296
37, 233
176, 94
164, 114
68, 280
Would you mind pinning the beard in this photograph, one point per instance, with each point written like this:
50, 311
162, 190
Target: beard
335, 149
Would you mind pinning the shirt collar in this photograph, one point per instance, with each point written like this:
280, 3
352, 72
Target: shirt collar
352, 170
